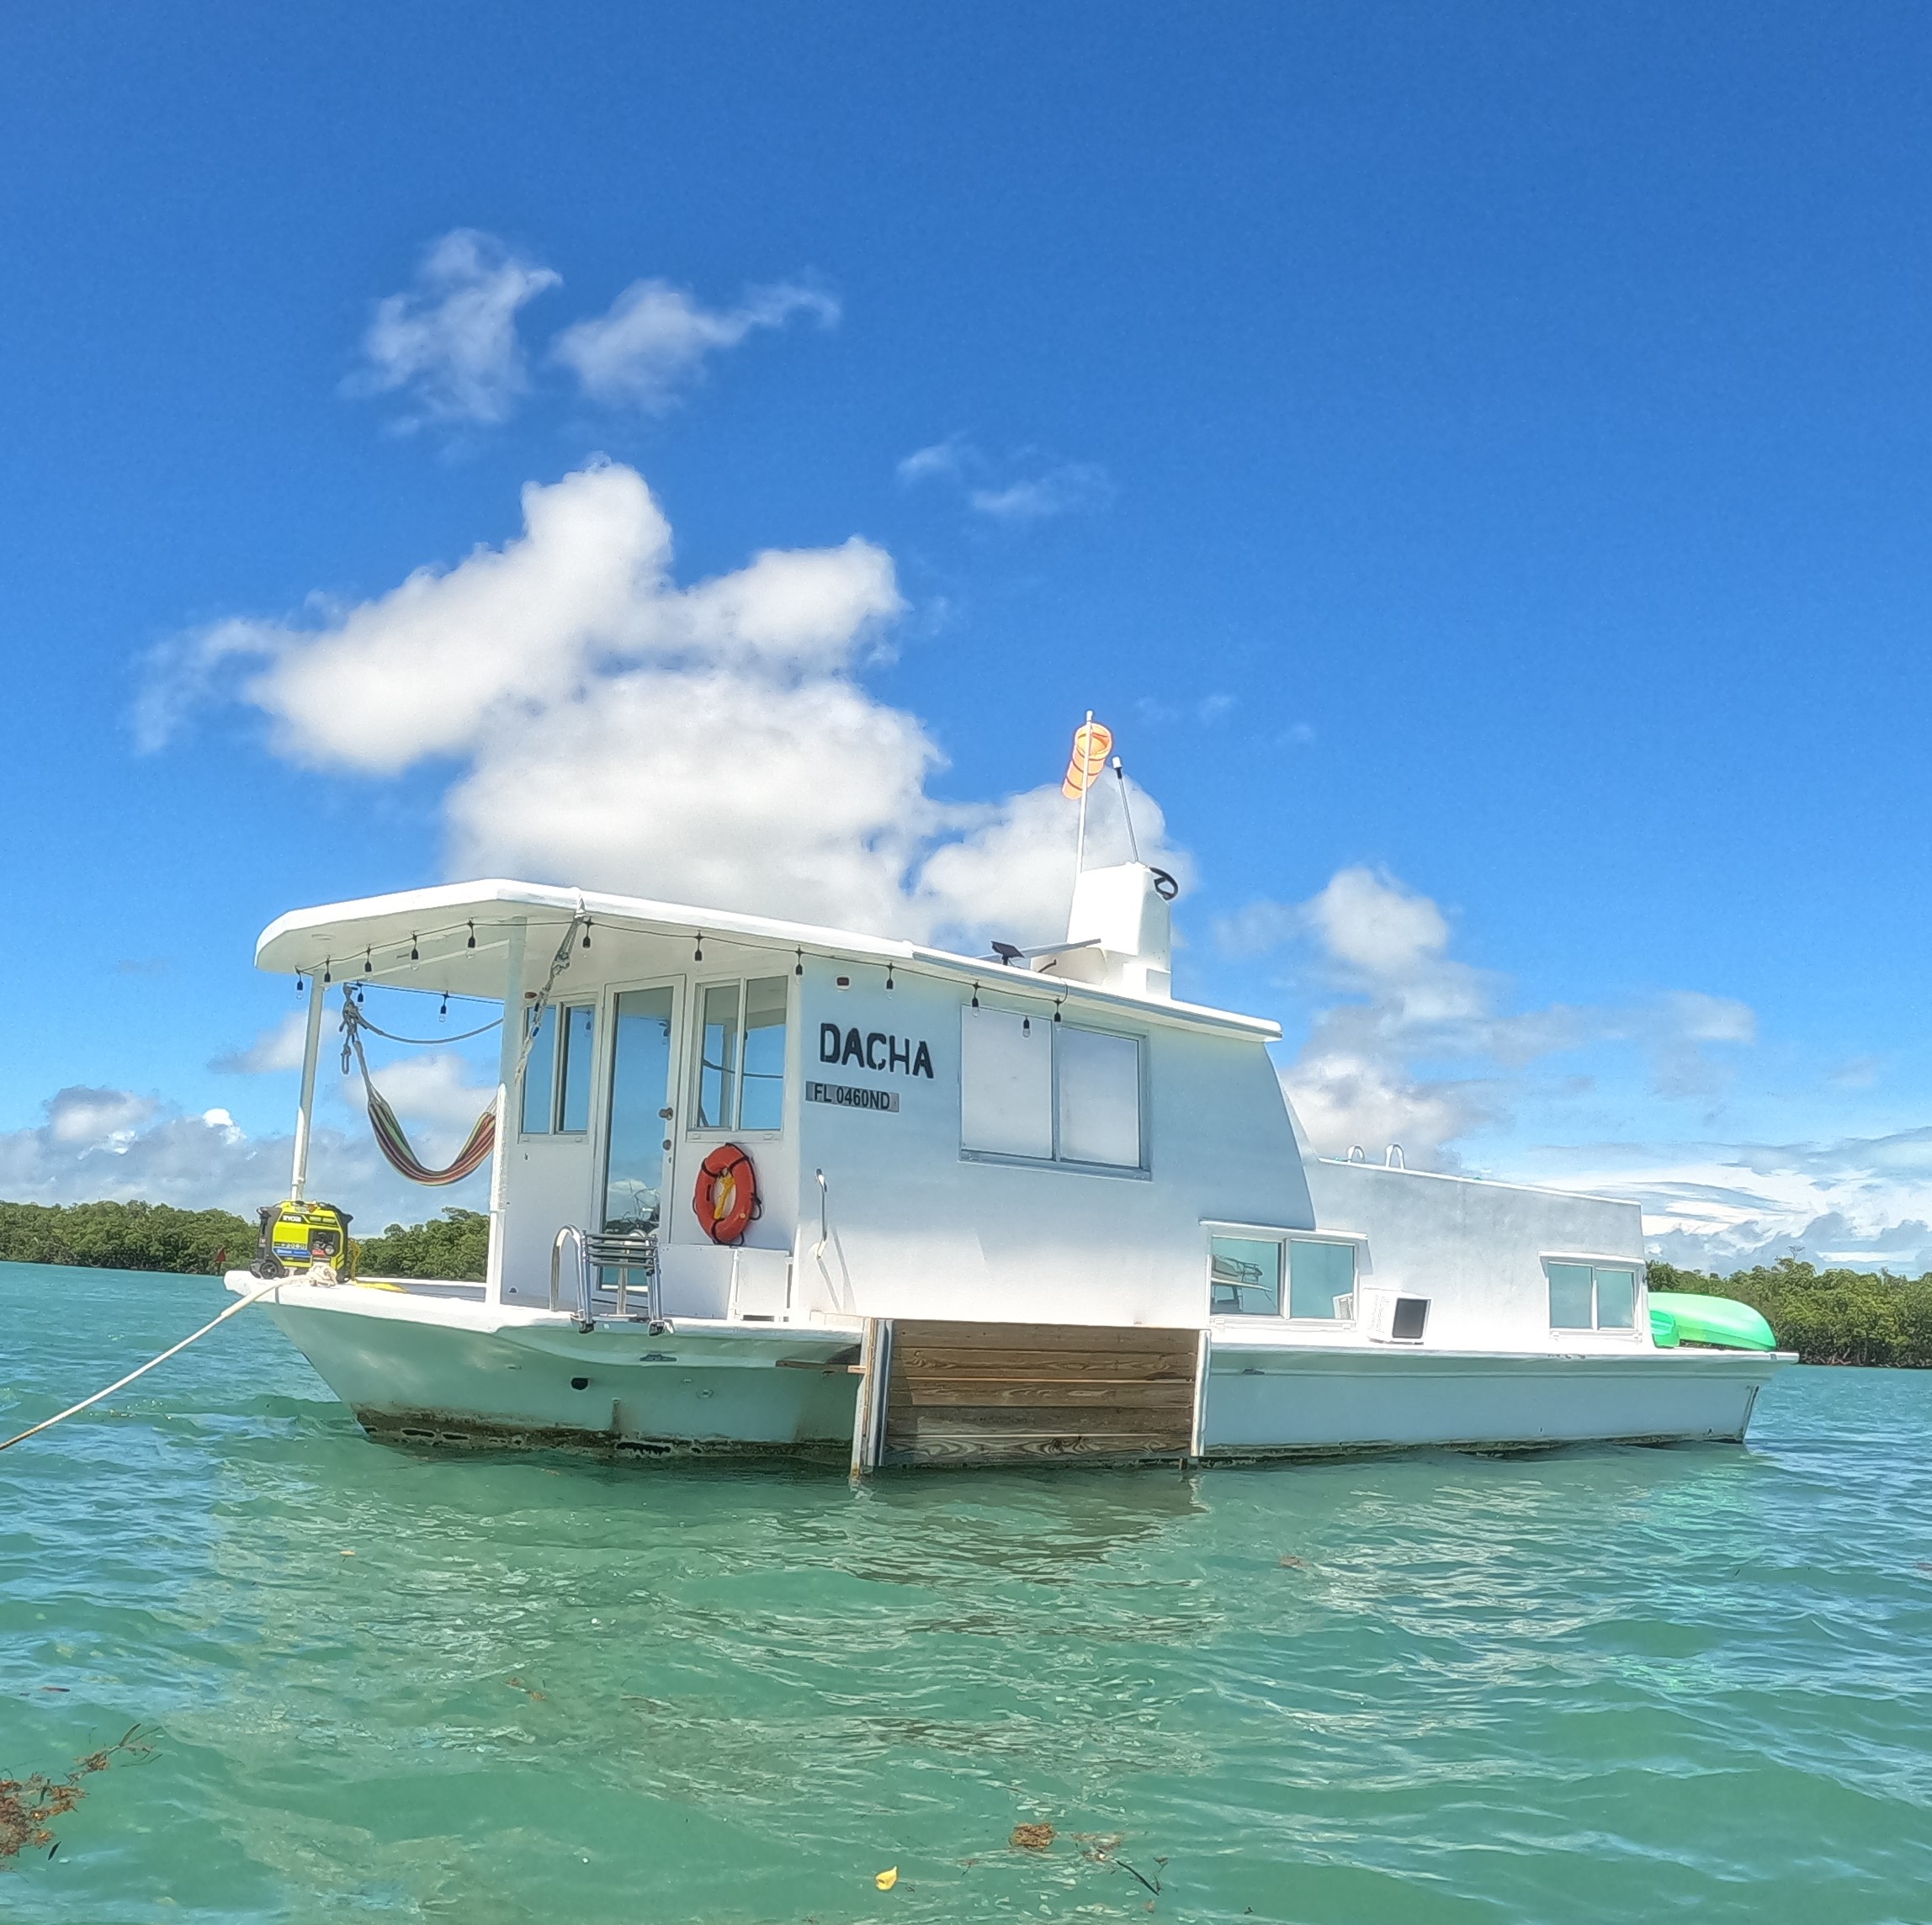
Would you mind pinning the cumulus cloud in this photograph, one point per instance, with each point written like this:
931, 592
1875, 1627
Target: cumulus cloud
1864, 1202
1384, 948
449, 343
277, 1047
655, 338
114, 1145
713, 743
1026, 487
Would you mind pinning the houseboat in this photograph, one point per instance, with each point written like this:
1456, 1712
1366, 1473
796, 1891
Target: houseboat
757, 1187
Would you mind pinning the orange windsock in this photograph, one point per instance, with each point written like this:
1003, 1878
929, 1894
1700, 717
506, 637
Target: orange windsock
1092, 740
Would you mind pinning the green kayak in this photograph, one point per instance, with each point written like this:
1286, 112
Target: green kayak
1677, 1316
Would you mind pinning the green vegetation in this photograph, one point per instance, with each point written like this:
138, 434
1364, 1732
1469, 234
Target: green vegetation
454, 1246
155, 1236
124, 1236
1830, 1316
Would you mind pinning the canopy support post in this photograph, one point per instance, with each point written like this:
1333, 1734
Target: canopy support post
507, 1063
311, 1050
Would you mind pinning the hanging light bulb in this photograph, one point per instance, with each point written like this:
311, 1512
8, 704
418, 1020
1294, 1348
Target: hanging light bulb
471, 944
367, 959
1026, 1025
698, 954
587, 932
975, 995
889, 975
414, 956
798, 968
327, 976
298, 984
443, 1013
1056, 1012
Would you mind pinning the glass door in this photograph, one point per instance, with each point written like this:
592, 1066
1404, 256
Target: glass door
640, 1109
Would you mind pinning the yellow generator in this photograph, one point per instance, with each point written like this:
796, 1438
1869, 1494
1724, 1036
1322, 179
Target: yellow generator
296, 1235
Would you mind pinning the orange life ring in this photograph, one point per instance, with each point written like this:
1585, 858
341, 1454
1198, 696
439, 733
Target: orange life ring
727, 1195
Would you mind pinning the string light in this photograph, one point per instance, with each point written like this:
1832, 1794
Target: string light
327, 975
798, 968
698, 954
889, 975
1026, 1025
298, 983
975, 995
443, 1013
413, 956
471, 944
587, 932
1056, 1008
367, 962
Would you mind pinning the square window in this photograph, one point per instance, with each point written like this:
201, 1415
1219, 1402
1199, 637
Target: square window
1321, 1279
1244, 1276
1571, 1297
1099, 1097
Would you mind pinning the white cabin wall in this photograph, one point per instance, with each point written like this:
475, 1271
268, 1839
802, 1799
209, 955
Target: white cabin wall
919, 1230
1475, 1249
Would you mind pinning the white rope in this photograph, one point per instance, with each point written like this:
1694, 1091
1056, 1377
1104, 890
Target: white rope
87, 1404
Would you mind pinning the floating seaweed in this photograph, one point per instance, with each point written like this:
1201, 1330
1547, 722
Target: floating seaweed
28, 1805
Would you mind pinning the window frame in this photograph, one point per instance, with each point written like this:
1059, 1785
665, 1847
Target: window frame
1141, 1172
694, 1082
553, 1129
1634, 1268
1350, 1240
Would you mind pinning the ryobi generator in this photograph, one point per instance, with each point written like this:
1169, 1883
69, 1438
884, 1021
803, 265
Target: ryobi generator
295, 1236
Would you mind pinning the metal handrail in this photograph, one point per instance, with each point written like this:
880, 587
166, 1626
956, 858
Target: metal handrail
587, 1316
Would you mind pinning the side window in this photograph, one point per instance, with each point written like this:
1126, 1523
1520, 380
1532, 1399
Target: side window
1245, 1275
1048, 1092
740, 1066
1005, 1083
540, 1076
557, 1075
1592, 1296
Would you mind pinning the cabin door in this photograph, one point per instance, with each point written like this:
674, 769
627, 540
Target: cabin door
638, 1142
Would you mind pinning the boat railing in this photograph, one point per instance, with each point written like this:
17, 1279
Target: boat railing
586, 1310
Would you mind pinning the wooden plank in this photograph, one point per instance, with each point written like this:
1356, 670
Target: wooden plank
1112, 1393
924, 1361
1053, 1419
1028, 1448
913, 1334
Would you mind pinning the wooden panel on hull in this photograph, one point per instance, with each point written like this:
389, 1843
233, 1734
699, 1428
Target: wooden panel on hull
1027, 1393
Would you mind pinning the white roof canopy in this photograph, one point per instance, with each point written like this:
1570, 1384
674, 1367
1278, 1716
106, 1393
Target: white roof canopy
452, 939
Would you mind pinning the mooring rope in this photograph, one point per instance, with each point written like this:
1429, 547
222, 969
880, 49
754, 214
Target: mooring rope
121, 1383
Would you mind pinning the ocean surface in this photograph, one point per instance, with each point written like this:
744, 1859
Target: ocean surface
1600, 1684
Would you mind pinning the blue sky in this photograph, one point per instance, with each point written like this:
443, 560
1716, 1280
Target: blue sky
1476, 458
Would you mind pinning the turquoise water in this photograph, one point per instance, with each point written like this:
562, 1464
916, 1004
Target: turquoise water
1603, 1685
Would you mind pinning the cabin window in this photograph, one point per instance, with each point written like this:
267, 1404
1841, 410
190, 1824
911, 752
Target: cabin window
557, 1076
1048, 1092
1592, 1296
1245, 1275
741, 1055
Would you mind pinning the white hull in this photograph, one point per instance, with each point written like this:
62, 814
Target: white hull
451, 1371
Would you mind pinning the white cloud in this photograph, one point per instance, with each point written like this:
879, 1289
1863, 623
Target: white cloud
1862, 1202
654, 339
450, 342
114, 1145
277, 1047
713, 743
1062, 490
1026, 487
1384, 949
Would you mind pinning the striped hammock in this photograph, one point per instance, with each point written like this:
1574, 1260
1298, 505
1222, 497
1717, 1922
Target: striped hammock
388, 1131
